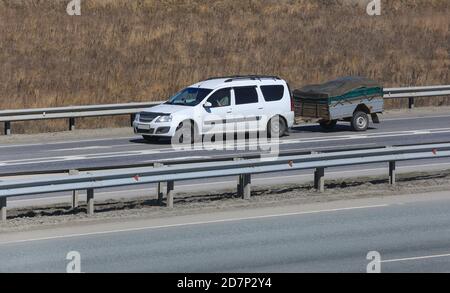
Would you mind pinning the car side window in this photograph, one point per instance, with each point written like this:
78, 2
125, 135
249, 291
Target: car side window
221, 98
245, 95
272, 92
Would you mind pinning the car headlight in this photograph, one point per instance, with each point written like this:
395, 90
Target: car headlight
165, 118
137, 117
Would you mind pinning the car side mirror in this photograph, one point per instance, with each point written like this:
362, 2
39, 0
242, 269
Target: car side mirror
207, 105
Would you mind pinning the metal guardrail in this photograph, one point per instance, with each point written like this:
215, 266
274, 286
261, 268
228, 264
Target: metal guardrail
71, 113
242, 168
416, 92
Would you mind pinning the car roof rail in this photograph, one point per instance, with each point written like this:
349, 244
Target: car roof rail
253, 77
224, 77
243, 77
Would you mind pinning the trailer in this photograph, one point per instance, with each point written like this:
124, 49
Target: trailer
350, 99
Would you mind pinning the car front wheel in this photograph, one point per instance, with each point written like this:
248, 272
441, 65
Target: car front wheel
186, 133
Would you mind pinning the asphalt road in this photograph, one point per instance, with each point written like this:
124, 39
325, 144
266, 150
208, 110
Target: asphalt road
93, 153
128, 150
412, 234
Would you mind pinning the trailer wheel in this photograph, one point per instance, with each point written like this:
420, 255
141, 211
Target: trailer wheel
328, 124
360, 121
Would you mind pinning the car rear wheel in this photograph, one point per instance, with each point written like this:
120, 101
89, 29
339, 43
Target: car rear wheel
276, 127
360, 121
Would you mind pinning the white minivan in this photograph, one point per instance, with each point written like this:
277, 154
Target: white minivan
221, 105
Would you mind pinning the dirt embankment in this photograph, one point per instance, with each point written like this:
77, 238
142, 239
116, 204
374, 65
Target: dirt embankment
135, 208
123, 51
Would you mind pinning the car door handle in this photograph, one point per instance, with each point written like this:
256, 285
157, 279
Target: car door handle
261, 108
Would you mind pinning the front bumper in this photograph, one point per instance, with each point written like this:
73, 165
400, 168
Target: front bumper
153, 129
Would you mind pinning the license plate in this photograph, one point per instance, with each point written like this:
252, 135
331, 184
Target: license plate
144, 126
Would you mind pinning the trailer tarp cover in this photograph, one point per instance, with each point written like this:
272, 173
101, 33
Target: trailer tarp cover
335, 88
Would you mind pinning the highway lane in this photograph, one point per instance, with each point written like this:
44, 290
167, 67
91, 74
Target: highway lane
93, 153
129, 150
412, 234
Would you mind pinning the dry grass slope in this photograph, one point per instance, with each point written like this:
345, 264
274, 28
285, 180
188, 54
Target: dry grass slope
121, 51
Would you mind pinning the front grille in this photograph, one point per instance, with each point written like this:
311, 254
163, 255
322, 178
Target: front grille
149, 131
147, 117
145, 131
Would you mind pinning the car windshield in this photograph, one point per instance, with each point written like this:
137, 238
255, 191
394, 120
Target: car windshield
189, 96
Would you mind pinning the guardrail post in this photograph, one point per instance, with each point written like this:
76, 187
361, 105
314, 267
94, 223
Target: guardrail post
72, 123
90, 201
7, 130
411, 103
240, 183
132, 117
247, 183
170, 194
319, 179
74, 192
240, 186
3, 208
392, 178
162, 186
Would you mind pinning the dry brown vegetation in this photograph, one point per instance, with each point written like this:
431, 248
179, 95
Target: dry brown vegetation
122, 50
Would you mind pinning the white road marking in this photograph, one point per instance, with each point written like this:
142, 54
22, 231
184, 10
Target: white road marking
366, 136
416, 258
181, 158
357, 136
413, 118
290, 150
69, 141
194, 223
439, 131
421, 132
78, 157
81, 148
